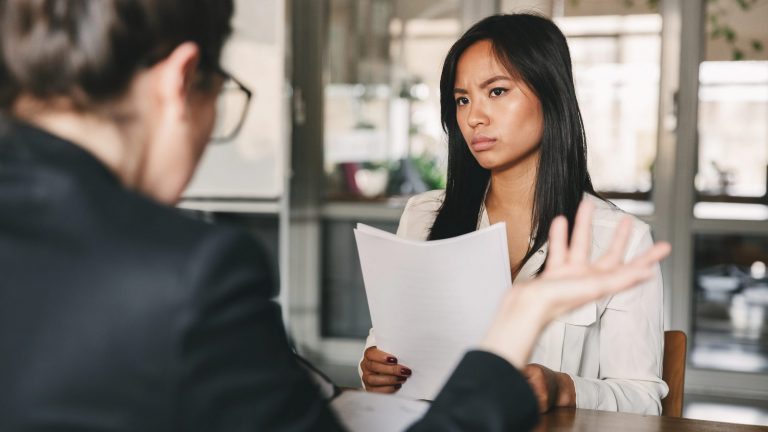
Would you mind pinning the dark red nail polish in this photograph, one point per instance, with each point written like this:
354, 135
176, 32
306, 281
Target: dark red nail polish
398, 386
391, 360
405, 371
401, 378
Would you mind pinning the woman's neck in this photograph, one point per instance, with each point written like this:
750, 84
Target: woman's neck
105, 140
512, 189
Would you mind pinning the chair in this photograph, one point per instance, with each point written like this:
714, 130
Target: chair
675, 349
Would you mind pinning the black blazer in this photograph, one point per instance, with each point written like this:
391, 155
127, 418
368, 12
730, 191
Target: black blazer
119, 314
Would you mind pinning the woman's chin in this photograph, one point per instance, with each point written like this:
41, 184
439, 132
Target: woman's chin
489, 163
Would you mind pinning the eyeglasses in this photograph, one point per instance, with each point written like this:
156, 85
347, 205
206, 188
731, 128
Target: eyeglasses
231, 108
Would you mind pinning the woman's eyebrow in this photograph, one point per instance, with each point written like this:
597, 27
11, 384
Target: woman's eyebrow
485, 83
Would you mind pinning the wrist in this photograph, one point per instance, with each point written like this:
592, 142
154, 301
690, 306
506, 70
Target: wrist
512, 343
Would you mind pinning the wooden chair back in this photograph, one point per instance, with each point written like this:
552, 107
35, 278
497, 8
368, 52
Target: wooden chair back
675, 349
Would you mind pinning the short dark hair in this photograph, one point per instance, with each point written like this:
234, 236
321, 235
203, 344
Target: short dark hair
533, 49
89, 50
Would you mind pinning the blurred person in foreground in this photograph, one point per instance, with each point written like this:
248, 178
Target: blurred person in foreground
118, 313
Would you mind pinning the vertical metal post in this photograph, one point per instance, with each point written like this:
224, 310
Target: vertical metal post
307, 176
682, 48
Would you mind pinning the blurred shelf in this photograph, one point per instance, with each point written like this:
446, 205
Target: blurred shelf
381, 209
730, 211
251, 206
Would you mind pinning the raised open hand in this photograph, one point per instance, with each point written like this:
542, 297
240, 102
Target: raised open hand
568, 281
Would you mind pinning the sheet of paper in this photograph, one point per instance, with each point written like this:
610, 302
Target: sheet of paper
373, 412
431, 301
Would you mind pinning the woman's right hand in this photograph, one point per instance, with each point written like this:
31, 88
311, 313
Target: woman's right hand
381, 372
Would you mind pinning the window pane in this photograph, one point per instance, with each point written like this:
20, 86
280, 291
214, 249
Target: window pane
733, 130
616, 50
730, 303
382, 110
344, 304
616, 73
733, 108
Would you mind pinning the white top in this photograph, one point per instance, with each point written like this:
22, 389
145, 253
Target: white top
612, 348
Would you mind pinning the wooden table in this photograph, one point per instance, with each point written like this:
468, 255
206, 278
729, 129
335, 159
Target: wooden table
583, 420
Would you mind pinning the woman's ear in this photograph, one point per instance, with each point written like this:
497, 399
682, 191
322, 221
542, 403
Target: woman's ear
176, 75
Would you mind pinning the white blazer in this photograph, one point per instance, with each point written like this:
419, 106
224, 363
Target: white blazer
612, 348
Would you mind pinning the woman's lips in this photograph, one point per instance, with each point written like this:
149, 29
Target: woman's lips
482, 143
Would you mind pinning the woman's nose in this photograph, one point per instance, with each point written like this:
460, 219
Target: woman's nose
477, 115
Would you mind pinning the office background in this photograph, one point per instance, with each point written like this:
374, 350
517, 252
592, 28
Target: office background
674, 95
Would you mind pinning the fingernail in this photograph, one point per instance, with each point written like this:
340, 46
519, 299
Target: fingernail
398, 386
401, 378
391, 360
405, 371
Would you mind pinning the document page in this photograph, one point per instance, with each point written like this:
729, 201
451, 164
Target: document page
432, 301
373, 412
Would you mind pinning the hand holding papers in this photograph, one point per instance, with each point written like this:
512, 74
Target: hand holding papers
431, 301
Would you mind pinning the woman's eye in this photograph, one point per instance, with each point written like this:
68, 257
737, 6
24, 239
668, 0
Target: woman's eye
498, 91
462, 101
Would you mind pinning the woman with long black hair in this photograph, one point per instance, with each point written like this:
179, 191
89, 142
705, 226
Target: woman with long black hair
517, 154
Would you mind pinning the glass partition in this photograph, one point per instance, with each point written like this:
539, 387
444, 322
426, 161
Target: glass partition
730, 288
616, 53
733, 140
382, 110
731, 301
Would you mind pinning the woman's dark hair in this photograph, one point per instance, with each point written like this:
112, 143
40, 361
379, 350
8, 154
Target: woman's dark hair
88, 50
535, 51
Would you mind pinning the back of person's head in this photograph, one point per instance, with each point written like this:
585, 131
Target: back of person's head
87, 51
534, 50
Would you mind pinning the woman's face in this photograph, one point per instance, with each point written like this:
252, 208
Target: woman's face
499, 116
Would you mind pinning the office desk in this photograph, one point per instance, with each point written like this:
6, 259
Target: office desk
581, 420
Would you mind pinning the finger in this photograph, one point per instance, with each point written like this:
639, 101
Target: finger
376, 355
543, 404
652, 255
383, 389
374, 380
568, 295
541, 397
536, 383
387, 369
581, 238
618, 281
558, 243
640, 269
531, 370
615, 254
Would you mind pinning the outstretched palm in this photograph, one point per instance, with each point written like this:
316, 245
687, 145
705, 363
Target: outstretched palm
570, 279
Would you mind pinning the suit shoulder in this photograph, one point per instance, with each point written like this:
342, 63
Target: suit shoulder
198, 251
230, 256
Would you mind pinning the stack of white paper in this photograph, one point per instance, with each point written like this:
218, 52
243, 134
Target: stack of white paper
431, 301
372, 412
